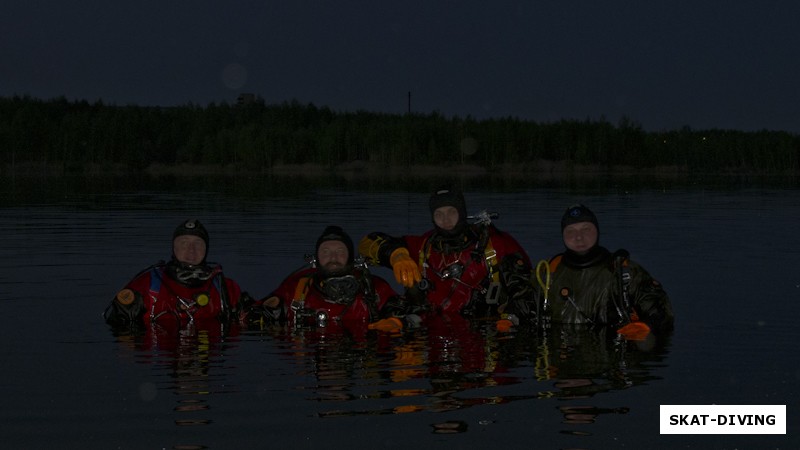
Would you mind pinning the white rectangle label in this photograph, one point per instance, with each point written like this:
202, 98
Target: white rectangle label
723, 419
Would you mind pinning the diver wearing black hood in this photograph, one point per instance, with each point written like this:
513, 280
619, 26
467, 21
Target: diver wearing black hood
454, 199
191, 227
457, 266
449, 216
590, 285
334, 291
188, 264
577, 221
185, 293
338, 266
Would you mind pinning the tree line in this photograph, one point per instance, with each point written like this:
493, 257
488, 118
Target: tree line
258, 136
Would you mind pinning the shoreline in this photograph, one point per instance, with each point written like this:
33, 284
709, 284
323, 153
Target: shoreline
541, 170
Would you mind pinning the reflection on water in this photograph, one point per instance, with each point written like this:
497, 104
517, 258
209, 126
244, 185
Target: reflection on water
427, 370
189, 365
449, 365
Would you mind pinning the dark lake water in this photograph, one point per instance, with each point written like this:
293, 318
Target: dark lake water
728, 257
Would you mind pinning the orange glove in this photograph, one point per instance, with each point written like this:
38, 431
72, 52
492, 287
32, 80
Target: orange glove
390, 324
504, 325
506, 322
405, 269
634, 331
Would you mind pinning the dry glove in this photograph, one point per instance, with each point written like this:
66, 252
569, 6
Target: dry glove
634, 331
506, 322
390, 324
405, 269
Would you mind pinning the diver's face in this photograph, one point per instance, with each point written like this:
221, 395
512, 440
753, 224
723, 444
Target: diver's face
580, 237
446, 217
189, 249
332, 256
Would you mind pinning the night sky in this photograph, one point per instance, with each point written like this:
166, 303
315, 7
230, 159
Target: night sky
664, 65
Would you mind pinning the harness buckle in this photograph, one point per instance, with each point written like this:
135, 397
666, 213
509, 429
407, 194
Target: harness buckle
493, 293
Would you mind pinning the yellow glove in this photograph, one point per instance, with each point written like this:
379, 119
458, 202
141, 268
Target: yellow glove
390, 324
405, 269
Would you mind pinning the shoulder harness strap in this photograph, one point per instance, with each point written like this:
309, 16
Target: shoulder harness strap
621, 266
424, 253
222, 288
155, 282
301, 290
490, 255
